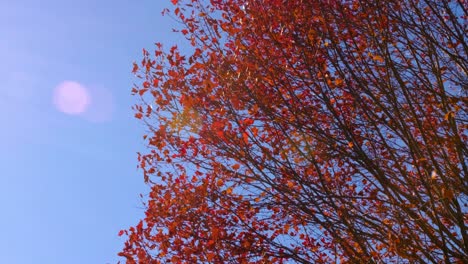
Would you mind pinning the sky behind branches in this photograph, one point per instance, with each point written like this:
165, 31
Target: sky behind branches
68, 142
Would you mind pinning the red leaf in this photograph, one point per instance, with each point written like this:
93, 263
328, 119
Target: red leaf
135, 68
142, 91
248, 121
299, 130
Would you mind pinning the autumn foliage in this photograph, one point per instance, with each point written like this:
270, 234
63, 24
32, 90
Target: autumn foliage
302, 131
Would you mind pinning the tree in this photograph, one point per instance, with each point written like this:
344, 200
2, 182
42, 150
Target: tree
306, 132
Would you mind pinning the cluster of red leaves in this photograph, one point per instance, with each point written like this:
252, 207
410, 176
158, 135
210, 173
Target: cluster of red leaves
306, 131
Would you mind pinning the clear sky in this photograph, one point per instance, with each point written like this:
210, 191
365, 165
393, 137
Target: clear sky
68, 139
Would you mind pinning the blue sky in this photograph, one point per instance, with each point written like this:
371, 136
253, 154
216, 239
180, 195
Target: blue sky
68, 182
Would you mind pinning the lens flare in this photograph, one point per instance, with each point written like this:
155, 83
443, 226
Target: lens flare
71, 98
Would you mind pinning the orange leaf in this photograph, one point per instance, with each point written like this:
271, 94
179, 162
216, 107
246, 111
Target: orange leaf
245, 136
447, 193
254, 131
210, 256
378, 58
219, 182
448, 115
339, 82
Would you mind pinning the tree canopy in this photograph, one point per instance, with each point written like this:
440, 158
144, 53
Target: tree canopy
296, 131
